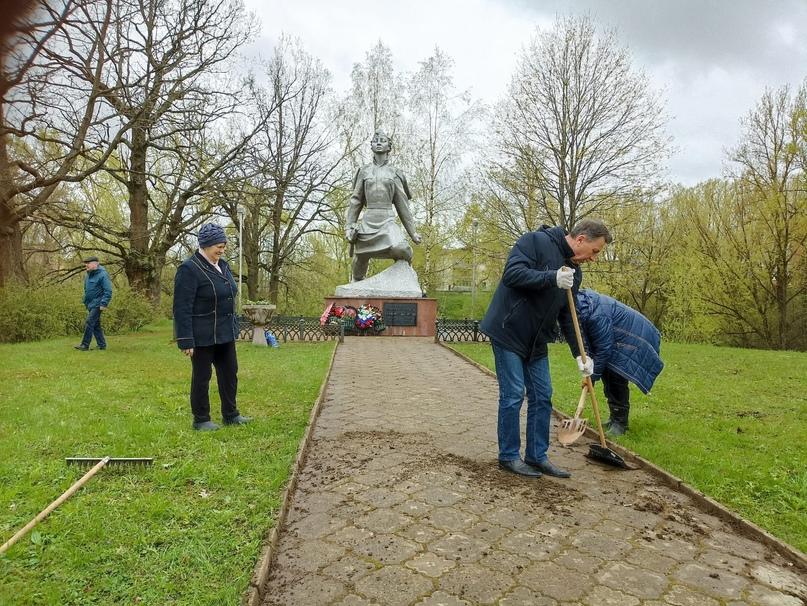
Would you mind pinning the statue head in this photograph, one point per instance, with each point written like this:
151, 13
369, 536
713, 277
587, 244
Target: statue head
380, 142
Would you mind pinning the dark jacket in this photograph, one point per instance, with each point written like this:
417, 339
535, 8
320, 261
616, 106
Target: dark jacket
527, 303
204, 304
619, 338
97, 288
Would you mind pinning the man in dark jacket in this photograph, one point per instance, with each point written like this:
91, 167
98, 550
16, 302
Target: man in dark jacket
97, 295
206, 327
520, 321
625, 346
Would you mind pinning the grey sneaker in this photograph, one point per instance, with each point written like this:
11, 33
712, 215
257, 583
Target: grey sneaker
205, 426
616, 429
239, 420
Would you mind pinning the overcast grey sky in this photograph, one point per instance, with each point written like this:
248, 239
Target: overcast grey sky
712, 59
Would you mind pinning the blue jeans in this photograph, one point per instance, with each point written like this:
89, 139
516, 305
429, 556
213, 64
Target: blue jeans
515, 374
92, 328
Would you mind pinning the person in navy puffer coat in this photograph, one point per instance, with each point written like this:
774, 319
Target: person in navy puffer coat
625, 347
206, 327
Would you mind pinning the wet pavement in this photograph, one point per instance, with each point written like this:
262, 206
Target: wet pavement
400, 502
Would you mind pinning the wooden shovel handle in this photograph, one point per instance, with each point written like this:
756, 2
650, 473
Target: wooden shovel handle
582, 403
43, 514
589, 384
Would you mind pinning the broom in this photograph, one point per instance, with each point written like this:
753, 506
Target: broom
97, 464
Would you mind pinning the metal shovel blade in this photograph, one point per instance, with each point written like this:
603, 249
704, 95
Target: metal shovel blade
571, 430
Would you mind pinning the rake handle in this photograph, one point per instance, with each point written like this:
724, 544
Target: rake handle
581, 347
44, 513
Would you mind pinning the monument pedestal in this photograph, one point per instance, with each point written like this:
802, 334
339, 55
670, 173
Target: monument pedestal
398, 315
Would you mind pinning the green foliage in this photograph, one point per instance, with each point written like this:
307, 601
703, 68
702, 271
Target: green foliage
186, 531
714, 421
33, 314
457, 305
128, 311
36, 313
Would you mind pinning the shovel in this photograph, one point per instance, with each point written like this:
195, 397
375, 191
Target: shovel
598, 452
571, 429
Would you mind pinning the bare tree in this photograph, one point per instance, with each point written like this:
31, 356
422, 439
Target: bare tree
53, 128
437, 140
375, 101
292, 168
580, 132
167, 76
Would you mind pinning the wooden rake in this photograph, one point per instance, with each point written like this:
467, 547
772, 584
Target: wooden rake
80, 461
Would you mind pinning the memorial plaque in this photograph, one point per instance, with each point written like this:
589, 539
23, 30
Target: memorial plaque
400, 314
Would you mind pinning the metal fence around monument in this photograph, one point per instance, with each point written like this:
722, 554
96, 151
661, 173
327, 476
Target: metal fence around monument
293, 328
459, 330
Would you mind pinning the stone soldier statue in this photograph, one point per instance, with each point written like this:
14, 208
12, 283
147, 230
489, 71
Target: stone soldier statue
381, 190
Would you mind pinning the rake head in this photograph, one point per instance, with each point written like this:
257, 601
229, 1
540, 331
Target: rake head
120, 462
571, 430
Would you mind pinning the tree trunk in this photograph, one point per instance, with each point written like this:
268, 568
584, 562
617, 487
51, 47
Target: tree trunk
274, 285
138, 264
11, 260
252, 271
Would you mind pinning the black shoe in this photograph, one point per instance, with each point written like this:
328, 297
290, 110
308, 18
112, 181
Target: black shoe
519, 467
205, 426
549, 469
81, 347
239, 420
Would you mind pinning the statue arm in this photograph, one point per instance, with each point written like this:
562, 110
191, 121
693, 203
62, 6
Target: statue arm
354, 207
401, 201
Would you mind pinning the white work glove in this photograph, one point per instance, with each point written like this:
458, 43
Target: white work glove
564, 278
585, 369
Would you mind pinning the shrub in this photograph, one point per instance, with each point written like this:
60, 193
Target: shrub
37, 313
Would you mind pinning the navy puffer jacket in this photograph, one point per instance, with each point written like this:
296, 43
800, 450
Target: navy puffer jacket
527, 303
204, 304
619, 338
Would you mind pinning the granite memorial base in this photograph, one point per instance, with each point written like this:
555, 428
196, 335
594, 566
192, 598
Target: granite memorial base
403, 316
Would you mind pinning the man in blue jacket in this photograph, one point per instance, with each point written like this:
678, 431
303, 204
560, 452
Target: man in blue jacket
625, 346
97, 295
520, 321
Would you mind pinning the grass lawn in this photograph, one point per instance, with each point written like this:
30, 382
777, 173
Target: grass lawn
187, 530
731, 422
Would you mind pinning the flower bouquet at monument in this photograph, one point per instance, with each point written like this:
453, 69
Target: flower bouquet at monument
369, 319
338, 314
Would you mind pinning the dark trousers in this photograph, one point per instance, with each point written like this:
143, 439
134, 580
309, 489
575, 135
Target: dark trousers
617, 391
92, 328
222, 357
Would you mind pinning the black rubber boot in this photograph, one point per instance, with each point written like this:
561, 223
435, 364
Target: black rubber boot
617, 425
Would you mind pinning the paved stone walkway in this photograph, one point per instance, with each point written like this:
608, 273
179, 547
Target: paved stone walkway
401, 503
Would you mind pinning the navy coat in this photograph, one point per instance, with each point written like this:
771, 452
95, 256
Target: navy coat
619, 338
527, 303
97, 288
204, 304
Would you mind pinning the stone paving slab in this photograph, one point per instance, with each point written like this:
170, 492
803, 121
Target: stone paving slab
400, 503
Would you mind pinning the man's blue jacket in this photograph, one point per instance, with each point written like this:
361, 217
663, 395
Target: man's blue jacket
527, 304
97, 288
619, 338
